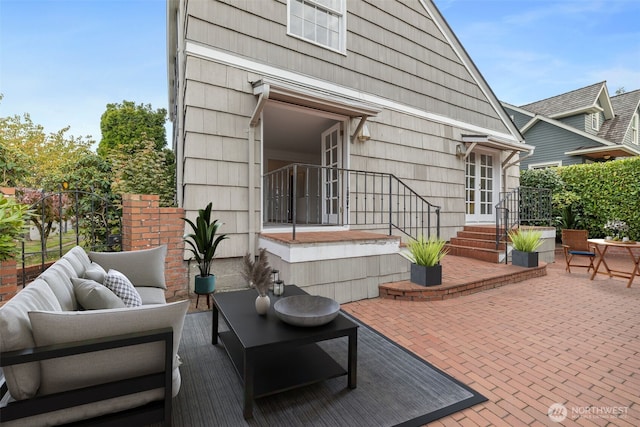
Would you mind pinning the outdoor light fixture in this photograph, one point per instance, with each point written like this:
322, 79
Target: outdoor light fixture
461, 150
364, 134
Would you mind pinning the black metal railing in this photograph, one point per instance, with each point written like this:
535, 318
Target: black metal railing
304, 194
64, 218
522, 206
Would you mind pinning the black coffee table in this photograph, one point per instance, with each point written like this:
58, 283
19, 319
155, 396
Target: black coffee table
271, 356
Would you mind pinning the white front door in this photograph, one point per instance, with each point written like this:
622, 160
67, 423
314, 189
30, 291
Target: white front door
482, 186
331, 160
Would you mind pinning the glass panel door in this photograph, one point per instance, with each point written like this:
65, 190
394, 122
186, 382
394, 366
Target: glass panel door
481, 186
331, 161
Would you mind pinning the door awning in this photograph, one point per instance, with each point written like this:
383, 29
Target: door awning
471, 141
309, 97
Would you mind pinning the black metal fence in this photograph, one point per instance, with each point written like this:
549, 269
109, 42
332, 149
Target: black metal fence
522, 206
65, 218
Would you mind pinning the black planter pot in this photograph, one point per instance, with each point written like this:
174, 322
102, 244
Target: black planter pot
524, 259
426, 276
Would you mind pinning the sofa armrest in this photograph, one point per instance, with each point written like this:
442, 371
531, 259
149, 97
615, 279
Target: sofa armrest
67, 399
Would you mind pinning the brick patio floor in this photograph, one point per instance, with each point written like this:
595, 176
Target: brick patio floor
561, 338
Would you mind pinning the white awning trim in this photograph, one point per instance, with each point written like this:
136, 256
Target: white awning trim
500, 144
308, 97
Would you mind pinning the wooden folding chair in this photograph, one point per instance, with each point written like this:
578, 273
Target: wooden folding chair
575, 244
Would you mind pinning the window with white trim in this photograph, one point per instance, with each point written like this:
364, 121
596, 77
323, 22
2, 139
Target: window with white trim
634, 129
595, 121
545, 165
322, 22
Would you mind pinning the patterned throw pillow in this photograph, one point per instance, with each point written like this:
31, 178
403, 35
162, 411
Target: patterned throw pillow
122, 287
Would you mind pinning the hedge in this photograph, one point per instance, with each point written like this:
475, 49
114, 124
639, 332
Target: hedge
595, 192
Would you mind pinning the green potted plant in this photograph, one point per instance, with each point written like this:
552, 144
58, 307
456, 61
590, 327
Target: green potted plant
425, 256
13, 217
203, 244
525, 241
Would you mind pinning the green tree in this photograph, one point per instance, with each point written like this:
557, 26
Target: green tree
148, 171
125, 126
32, 158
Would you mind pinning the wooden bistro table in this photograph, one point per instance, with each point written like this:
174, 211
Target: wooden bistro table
601, 246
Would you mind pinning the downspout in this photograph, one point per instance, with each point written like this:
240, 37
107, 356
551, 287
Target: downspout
251, 155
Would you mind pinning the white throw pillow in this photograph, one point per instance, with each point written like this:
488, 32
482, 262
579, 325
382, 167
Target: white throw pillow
92, 295
123, 288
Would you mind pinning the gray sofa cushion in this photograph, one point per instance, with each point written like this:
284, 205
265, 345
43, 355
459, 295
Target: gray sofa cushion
92, 295
79, 259
58, 277
143, 268
95, 368
95, 272
151, 295
23, 380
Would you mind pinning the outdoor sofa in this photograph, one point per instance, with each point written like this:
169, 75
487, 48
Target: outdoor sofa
70, 350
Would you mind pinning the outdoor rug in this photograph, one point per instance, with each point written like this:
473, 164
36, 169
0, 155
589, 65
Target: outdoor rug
394, 387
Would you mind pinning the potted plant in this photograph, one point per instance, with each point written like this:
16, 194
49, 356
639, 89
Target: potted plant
425, 256
258, 275
203, 244
525, 241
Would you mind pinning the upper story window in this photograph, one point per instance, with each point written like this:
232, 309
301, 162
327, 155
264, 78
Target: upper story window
595, 121
634, 129
322, 22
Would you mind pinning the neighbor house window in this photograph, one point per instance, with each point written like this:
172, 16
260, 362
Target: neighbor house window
322, 22
634, 129
595, 121
545, 165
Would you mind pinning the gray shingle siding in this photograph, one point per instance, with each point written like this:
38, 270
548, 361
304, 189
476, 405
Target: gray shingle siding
551, 143
518, 118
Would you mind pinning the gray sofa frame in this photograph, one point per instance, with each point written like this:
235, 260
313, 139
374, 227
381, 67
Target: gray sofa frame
153, 412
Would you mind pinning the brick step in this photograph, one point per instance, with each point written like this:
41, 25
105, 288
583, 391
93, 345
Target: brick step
407, 291
478, 235
481, 228
476, 243
483, 254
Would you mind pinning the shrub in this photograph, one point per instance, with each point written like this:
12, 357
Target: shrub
525, 239
426, 252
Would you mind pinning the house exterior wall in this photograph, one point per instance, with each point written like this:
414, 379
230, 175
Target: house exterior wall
551, 143
518, 118
395, 51
396, 55
581, 122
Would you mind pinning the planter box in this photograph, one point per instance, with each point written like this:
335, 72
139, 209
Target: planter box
524, 259
426, 276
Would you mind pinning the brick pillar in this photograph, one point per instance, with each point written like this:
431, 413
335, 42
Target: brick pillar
8, 280
146, 225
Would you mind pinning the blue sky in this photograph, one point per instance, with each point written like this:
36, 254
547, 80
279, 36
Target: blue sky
63, 61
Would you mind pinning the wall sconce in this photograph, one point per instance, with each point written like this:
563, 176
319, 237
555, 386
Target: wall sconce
606, 157
461, 150
364, 134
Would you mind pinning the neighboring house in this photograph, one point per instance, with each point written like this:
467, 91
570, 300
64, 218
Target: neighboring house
580, 126
350, 103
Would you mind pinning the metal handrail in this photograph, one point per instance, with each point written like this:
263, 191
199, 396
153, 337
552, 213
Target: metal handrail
522, 206
320, 195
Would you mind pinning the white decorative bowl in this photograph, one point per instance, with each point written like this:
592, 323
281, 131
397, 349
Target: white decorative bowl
306, 310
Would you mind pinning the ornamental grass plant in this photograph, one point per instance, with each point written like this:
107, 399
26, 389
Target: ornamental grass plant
426, 252
525, 239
